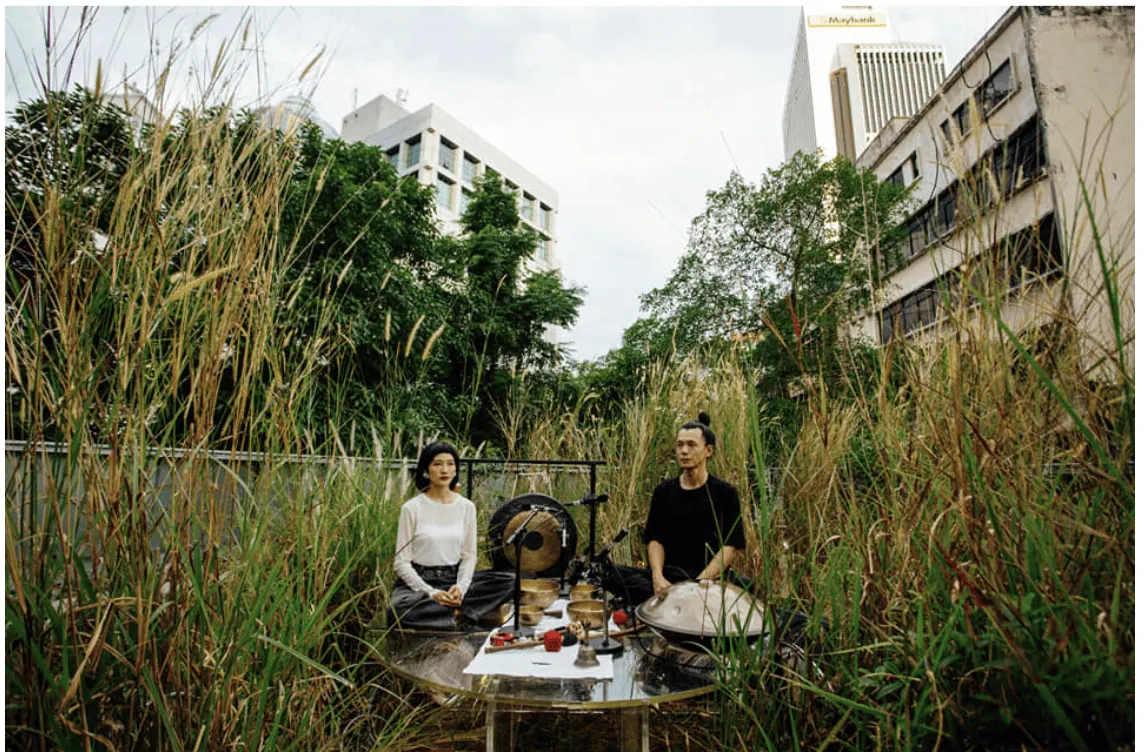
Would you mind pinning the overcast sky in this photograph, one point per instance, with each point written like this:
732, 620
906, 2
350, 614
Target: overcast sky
631, 114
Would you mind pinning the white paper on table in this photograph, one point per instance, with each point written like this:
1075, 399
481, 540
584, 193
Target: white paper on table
535, 661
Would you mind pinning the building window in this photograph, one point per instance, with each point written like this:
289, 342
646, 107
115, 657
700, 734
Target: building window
542, 249
469, 169
413, 151
510, 188
917, 240
444, 192
491, 173
961, 118
546, 218
1033, 253
896, 178
392, 156
1020, 158
997, 88
446, 155
945, 212
464, 203
527, 207
947, 136
915, 173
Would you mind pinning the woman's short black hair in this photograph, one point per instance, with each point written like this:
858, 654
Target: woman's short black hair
421, 474
702, 422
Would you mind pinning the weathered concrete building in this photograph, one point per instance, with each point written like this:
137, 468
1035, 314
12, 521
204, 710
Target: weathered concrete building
1037, 115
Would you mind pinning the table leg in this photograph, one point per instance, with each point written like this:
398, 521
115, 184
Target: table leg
490, 717
500, 731
634, 729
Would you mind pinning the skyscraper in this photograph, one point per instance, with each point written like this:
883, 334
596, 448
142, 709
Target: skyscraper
849, 78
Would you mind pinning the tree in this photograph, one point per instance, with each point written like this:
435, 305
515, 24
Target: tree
371, 280
73, 145
787, 261
498, 321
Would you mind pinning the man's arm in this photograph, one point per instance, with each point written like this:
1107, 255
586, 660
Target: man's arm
719, 562
656, 564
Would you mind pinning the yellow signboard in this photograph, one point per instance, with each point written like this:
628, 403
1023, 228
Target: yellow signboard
861, 20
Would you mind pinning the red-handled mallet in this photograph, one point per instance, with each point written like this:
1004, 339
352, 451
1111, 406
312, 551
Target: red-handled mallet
553, 640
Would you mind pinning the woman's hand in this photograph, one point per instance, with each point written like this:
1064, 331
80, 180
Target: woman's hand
450, 598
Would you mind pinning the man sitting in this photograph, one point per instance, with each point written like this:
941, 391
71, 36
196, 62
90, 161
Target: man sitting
694, 528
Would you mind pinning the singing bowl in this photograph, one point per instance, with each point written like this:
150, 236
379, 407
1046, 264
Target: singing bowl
590, 611
584, 592
531, 615
540, 593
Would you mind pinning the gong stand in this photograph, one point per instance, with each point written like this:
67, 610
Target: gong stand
518, 539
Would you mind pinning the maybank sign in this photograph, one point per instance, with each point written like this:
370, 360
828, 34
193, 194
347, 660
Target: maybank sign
859, 20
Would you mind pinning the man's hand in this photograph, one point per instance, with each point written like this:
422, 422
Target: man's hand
659, 584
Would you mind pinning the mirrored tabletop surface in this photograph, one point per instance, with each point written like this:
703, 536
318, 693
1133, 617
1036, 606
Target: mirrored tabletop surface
650, 670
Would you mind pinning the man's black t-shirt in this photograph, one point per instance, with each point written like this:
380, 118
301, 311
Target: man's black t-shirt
693, 526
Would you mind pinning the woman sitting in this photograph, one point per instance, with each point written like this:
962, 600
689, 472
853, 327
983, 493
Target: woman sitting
437, 586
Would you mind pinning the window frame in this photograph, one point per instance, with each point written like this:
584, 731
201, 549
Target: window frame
413, 146
443, 144
469, 164
443, 180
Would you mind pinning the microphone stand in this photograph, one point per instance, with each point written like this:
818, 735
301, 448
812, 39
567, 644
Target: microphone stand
518, 539
606, 645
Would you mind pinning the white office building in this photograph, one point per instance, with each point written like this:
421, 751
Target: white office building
1042, 104
871, 84
849, 77
445, 154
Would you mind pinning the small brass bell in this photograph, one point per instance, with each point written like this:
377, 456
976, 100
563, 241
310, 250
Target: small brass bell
586, 656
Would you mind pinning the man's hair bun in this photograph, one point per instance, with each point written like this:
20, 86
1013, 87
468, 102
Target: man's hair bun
702, 422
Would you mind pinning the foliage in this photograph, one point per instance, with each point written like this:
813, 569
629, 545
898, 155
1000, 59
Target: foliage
71, 148
372, 282
784, 264
501, 312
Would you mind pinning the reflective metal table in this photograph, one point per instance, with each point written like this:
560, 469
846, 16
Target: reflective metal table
648, 672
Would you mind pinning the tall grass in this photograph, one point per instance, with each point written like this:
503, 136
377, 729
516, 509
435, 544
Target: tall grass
171, 600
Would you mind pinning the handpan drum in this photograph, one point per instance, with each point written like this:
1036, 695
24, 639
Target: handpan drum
693, 611
546, 554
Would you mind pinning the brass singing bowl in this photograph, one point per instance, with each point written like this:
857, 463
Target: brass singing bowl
540, 593
584, 592
530, 616
590, 611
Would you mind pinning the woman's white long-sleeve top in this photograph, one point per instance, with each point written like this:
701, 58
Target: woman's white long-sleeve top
433, 534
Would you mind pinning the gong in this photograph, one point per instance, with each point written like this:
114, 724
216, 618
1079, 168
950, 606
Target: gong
550, 542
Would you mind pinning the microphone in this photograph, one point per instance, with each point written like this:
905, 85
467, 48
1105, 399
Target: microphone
588, 499
616, 539
521, 530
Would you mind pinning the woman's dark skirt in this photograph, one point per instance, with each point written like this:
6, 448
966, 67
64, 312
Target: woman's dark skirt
487, 592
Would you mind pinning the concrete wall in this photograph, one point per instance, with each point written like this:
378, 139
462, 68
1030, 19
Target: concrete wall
1083, 64
373, 116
